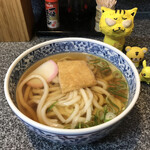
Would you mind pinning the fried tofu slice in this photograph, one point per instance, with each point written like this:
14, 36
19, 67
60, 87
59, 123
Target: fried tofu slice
75, 75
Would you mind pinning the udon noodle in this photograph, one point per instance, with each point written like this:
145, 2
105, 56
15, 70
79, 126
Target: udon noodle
80, 108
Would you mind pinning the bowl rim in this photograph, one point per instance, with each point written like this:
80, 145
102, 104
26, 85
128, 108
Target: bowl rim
69, 131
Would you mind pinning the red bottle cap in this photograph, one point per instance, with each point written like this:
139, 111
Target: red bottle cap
51, 1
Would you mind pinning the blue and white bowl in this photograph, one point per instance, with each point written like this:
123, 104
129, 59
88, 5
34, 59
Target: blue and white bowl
40, 51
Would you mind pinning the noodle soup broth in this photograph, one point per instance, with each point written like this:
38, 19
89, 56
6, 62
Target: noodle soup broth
80, 108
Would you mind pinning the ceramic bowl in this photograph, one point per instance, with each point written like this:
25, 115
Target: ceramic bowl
32, 55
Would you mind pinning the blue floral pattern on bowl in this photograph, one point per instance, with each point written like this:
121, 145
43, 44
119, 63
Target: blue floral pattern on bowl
72, 46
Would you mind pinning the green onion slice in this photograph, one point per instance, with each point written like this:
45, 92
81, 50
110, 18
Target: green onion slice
109, 116
110, 102
117, 74
51, 106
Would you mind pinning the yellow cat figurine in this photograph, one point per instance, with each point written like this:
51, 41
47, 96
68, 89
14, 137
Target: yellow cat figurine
116, 25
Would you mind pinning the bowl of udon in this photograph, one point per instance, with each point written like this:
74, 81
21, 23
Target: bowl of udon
72, 90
